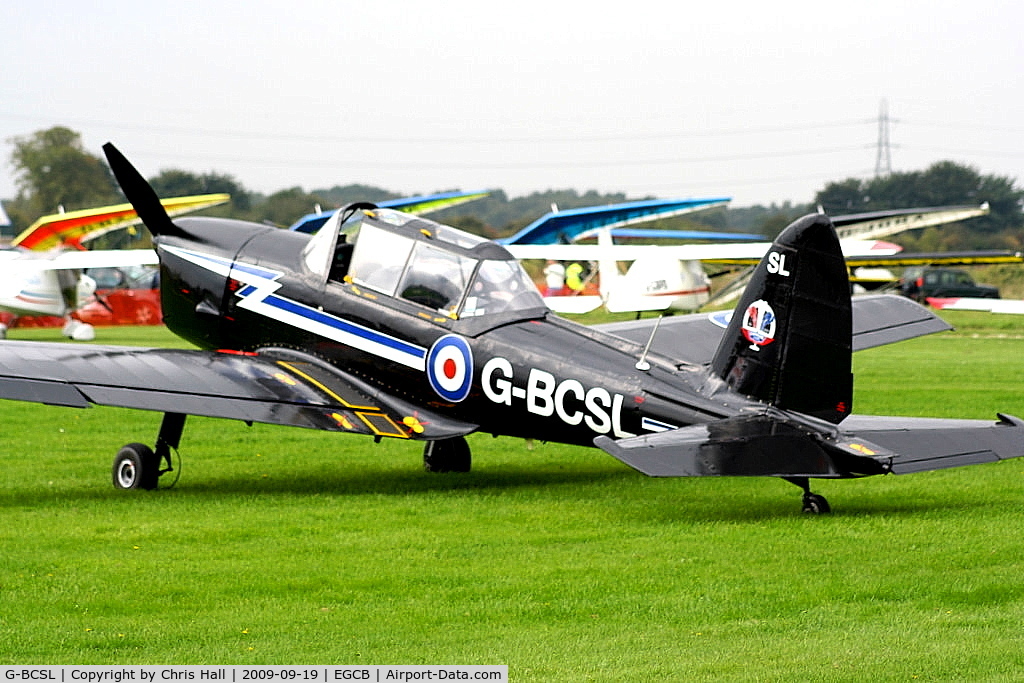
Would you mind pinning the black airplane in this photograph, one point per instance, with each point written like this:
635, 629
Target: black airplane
390, 325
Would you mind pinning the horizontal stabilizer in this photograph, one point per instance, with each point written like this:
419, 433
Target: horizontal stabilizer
747, 446
878, 319
921, 444
783, 445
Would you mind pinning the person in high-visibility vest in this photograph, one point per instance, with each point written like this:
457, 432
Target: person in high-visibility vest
554, 279
574, 277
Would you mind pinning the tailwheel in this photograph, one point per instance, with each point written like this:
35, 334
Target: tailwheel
447, 455
136, 466
813, 503
816, 504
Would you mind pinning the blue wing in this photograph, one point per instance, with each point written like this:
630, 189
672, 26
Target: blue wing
565, 226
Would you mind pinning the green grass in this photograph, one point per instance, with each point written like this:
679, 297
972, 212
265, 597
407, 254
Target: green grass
290, 546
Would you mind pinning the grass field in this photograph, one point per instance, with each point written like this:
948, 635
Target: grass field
290, 546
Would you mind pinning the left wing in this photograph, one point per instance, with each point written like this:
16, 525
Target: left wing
747, 253
420, 204
561, 226
1014, 306
691, 235
884, 223
100, 258
943, 258
276, 386
432, 202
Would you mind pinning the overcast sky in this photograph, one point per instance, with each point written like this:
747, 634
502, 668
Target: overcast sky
761, 101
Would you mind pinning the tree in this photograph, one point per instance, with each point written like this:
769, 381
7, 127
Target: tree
286, 206
172, 182
343, 195
846, 196
944, 183
52, 170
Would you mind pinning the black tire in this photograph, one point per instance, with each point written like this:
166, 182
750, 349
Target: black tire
136, 467
816, 505
447, 455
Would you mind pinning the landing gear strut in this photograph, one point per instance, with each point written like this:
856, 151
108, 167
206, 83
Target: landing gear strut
813, 503
447, 455
137, 466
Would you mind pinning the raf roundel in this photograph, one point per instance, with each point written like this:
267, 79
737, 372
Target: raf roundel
450, 368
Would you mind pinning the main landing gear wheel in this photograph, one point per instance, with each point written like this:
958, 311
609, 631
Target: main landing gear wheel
136, 466
447, 455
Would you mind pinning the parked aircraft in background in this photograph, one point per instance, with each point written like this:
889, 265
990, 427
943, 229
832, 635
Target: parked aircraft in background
683, 282
418, 205
52, 284
37, 278
124, 296
70, 229
571, 225
877, 224
1013, 306
5, 220
389, 325
673, 278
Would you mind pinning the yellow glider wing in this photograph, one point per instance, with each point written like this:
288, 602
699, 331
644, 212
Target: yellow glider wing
72, 227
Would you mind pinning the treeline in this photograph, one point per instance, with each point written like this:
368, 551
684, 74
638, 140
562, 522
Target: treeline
52, 169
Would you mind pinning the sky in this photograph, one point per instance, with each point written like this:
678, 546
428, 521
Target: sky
764, 102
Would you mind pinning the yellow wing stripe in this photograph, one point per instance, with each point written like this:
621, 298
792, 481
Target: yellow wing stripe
322, 387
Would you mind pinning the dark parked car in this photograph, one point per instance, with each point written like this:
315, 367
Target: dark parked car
923, 283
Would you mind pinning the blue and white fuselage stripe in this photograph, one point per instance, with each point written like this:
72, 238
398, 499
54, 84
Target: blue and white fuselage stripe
652, 425
259, 297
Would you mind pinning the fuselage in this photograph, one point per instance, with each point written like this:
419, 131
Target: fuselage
505, 363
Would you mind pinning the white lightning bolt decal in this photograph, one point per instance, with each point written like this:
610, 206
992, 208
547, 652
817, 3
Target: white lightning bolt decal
259, 296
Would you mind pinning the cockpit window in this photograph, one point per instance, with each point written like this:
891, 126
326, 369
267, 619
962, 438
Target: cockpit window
500, 286
436, 278
379, 260
317, 253
457, 237
432, 265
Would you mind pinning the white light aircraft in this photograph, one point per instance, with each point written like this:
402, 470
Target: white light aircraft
672, 278
52, 284
38, 277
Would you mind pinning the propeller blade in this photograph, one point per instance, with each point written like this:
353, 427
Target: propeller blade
140, 194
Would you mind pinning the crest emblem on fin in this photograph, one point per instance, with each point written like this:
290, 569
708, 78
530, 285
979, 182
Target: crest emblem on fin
759, 324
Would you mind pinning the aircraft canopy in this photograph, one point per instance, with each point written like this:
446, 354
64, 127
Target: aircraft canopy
452, 272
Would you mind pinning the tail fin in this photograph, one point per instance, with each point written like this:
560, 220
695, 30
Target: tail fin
789, 339
140, 194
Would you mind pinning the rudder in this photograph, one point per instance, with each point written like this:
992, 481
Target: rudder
789, 340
